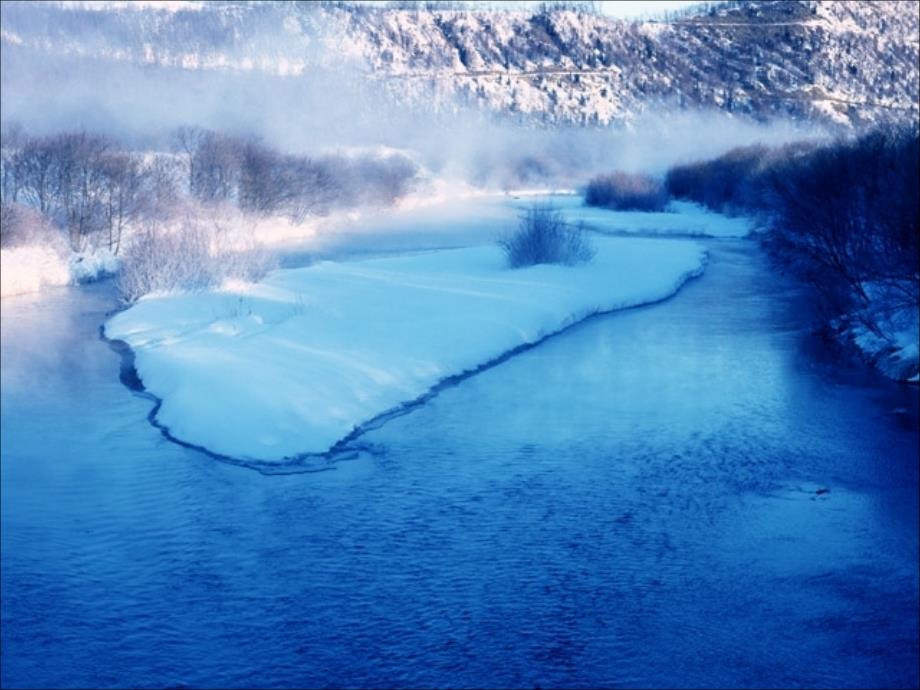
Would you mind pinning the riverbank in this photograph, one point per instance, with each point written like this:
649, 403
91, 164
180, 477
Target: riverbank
352, 341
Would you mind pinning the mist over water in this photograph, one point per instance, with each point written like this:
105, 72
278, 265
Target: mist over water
334, 108
689, 494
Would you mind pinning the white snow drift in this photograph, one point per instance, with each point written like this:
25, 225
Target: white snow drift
292, 364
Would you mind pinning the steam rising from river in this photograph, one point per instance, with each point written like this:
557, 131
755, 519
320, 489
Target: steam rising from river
326, 109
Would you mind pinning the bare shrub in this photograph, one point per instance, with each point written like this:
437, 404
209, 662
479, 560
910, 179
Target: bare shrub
386, 179
236, 252
626, 192
366, 179
258, 178
21, 225
847, 216
193, 256
216, 166
161, 260
729, 183
543, 237
844, 215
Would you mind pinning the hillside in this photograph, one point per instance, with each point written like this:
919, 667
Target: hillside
845, 64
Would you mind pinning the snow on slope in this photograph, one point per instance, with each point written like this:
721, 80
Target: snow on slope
291, 365
842, 63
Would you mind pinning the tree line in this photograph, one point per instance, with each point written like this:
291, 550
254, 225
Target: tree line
94, 188
844, 215
82, 183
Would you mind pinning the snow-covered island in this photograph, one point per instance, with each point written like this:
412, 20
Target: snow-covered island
291, 365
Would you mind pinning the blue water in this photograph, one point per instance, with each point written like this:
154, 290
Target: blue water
631, 504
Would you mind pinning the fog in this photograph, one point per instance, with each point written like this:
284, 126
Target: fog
328, 108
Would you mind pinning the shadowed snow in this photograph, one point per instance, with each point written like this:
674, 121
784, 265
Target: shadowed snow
291, 365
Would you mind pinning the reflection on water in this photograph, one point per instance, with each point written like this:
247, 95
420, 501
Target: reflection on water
635, 503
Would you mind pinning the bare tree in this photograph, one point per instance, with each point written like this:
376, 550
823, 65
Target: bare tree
216, 166
33, 166
125, 192
78, 184
12, 139
264, 181
314, 186
162, 182
186, 140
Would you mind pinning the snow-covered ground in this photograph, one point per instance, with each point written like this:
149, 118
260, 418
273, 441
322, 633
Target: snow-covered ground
465, 218
291, 365
475, 217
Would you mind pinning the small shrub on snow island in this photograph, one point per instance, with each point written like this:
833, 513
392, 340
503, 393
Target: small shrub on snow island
622, 191
543, 237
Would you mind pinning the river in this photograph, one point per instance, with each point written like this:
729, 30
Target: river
686, 494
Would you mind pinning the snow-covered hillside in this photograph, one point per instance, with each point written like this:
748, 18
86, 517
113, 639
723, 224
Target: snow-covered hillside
840, 63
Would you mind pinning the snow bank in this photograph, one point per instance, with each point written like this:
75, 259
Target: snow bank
87, 267
30, 269
291, 365
892, 344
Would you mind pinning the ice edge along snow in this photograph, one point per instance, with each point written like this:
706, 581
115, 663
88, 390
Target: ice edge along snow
355, 344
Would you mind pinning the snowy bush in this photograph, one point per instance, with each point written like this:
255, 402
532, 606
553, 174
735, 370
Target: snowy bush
88, 267
625, 192
192, 256
21, 225
33, 253
543, 237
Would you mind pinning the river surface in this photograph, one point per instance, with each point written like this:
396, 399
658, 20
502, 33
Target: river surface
633, 503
